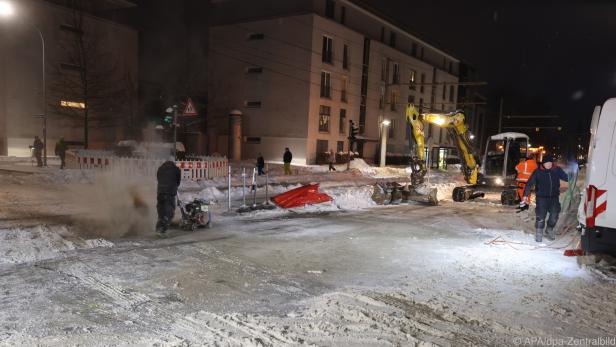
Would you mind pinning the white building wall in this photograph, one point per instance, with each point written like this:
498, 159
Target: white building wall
340, 36
289, 87
282, 87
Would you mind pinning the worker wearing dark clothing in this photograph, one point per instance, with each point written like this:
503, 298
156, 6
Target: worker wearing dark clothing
61, 152
168, 177
286, 159
260, 165
38, 151
547, 182
331, 159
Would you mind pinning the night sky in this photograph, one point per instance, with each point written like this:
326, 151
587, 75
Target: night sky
554, 57
543, 57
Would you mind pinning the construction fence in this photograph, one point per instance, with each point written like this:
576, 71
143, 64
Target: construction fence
201, 168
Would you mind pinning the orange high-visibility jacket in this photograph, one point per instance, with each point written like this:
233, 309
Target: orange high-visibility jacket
525, 169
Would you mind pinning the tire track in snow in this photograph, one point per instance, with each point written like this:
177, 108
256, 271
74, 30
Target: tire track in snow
203, 327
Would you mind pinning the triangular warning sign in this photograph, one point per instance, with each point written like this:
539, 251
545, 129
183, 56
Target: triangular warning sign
190, 109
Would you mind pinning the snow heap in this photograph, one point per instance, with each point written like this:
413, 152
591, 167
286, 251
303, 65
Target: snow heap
443, 181
351, 198
377, 172
23, 245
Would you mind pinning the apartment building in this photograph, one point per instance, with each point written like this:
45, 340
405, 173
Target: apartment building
110, 51
299, 79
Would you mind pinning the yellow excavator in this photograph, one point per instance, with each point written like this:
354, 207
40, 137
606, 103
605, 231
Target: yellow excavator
455, 125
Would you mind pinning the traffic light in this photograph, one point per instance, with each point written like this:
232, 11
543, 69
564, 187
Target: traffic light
168, 119
353, 131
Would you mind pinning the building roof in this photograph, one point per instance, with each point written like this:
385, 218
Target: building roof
377, 14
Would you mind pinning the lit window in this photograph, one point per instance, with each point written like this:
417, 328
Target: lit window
324, 114
72, 104
412, 80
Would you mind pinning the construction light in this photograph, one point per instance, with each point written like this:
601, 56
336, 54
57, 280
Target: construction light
439, 121
6, 9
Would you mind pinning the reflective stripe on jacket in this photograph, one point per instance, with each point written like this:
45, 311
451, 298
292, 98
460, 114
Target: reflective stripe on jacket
525, 169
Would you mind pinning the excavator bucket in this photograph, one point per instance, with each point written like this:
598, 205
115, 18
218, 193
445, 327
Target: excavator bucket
464, 193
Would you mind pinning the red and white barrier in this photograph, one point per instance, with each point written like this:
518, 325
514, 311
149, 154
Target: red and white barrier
203, 168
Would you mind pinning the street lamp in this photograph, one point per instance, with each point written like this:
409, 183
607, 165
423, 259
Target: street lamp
6, 11
384, 125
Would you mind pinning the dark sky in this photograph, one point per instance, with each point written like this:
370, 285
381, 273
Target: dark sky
546, 56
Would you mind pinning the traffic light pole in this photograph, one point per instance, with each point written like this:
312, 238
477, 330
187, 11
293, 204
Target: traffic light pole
350, 144
353, 131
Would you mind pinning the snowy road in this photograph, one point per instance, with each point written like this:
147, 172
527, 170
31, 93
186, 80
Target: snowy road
403, 275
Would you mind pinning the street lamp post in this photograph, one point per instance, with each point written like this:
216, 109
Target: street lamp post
174, 109
7, 10
384, 125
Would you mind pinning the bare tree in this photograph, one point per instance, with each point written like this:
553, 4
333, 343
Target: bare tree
90, 77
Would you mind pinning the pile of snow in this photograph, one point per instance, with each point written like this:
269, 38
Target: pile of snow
41, 243
351, 198
378, 172
443, 181
213, 194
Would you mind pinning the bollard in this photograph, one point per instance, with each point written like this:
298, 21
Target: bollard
254, 188
243, 188
229, 191
266, 188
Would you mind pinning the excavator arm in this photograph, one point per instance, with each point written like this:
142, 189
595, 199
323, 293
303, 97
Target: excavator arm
416, 144
454, 122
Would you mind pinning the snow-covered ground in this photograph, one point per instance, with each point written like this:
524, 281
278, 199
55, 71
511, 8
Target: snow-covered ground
80, 266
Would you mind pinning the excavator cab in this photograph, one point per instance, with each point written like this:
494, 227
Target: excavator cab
502, 154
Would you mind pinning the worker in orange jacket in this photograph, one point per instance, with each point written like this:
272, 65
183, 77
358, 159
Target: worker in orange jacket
524, 169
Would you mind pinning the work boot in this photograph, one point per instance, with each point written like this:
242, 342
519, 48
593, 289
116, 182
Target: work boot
538, 234
550, 233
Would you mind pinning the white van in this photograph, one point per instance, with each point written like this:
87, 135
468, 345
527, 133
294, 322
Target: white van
597, 211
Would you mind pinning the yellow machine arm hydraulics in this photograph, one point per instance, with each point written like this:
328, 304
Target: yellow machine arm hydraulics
454, 122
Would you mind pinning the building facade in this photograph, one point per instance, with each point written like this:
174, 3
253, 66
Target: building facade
104, 84
299, 79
